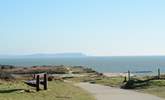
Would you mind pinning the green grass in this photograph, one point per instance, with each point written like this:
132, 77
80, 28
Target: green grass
158, 91
155, 87
56, 91
113, 81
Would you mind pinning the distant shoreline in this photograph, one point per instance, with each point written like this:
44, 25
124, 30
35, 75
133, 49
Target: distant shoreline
100, 64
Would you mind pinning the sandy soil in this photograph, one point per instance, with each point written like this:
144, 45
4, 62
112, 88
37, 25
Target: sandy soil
108, 93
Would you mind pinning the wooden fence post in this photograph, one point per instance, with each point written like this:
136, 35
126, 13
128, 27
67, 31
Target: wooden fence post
34, 76
38, 83
45, 82
125, 79
158, 73
129, 77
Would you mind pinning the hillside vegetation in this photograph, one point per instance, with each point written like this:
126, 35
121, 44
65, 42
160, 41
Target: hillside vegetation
57, 90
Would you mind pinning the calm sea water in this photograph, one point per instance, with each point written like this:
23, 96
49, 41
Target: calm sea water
101, 64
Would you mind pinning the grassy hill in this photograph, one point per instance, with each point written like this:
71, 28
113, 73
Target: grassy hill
57, 90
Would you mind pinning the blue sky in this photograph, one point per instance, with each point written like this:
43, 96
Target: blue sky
94, 27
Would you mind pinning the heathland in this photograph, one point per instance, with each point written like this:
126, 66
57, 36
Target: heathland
61, 80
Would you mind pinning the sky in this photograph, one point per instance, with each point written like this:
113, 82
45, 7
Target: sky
93, 27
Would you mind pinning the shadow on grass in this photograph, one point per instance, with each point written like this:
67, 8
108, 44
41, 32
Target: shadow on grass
10, 91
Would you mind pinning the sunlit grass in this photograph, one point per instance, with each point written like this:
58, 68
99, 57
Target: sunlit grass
56, 91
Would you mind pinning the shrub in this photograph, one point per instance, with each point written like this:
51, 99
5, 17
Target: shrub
6, 76
50, 78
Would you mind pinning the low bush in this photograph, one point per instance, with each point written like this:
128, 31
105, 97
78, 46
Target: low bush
6, 76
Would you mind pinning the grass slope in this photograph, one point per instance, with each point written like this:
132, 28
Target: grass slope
57, 91
155, 87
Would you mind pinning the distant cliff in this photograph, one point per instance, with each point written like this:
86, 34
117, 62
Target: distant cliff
45, 55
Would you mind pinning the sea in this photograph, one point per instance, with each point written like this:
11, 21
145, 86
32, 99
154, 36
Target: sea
115, 64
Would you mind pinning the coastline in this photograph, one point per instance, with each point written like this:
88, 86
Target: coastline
116, 74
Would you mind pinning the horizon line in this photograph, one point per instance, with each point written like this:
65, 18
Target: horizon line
87, 55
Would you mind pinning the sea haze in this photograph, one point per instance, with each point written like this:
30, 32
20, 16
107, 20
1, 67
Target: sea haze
101, 64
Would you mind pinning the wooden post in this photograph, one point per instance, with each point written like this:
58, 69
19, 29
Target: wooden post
129, 77
38, 83
34, 76
158, 73
125, 79
45, 82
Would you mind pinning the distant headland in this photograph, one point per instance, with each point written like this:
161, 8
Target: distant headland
45, 55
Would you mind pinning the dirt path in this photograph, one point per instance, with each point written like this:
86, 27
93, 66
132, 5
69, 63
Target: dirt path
108, 93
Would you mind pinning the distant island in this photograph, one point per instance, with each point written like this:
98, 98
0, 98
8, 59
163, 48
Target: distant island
46, 55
